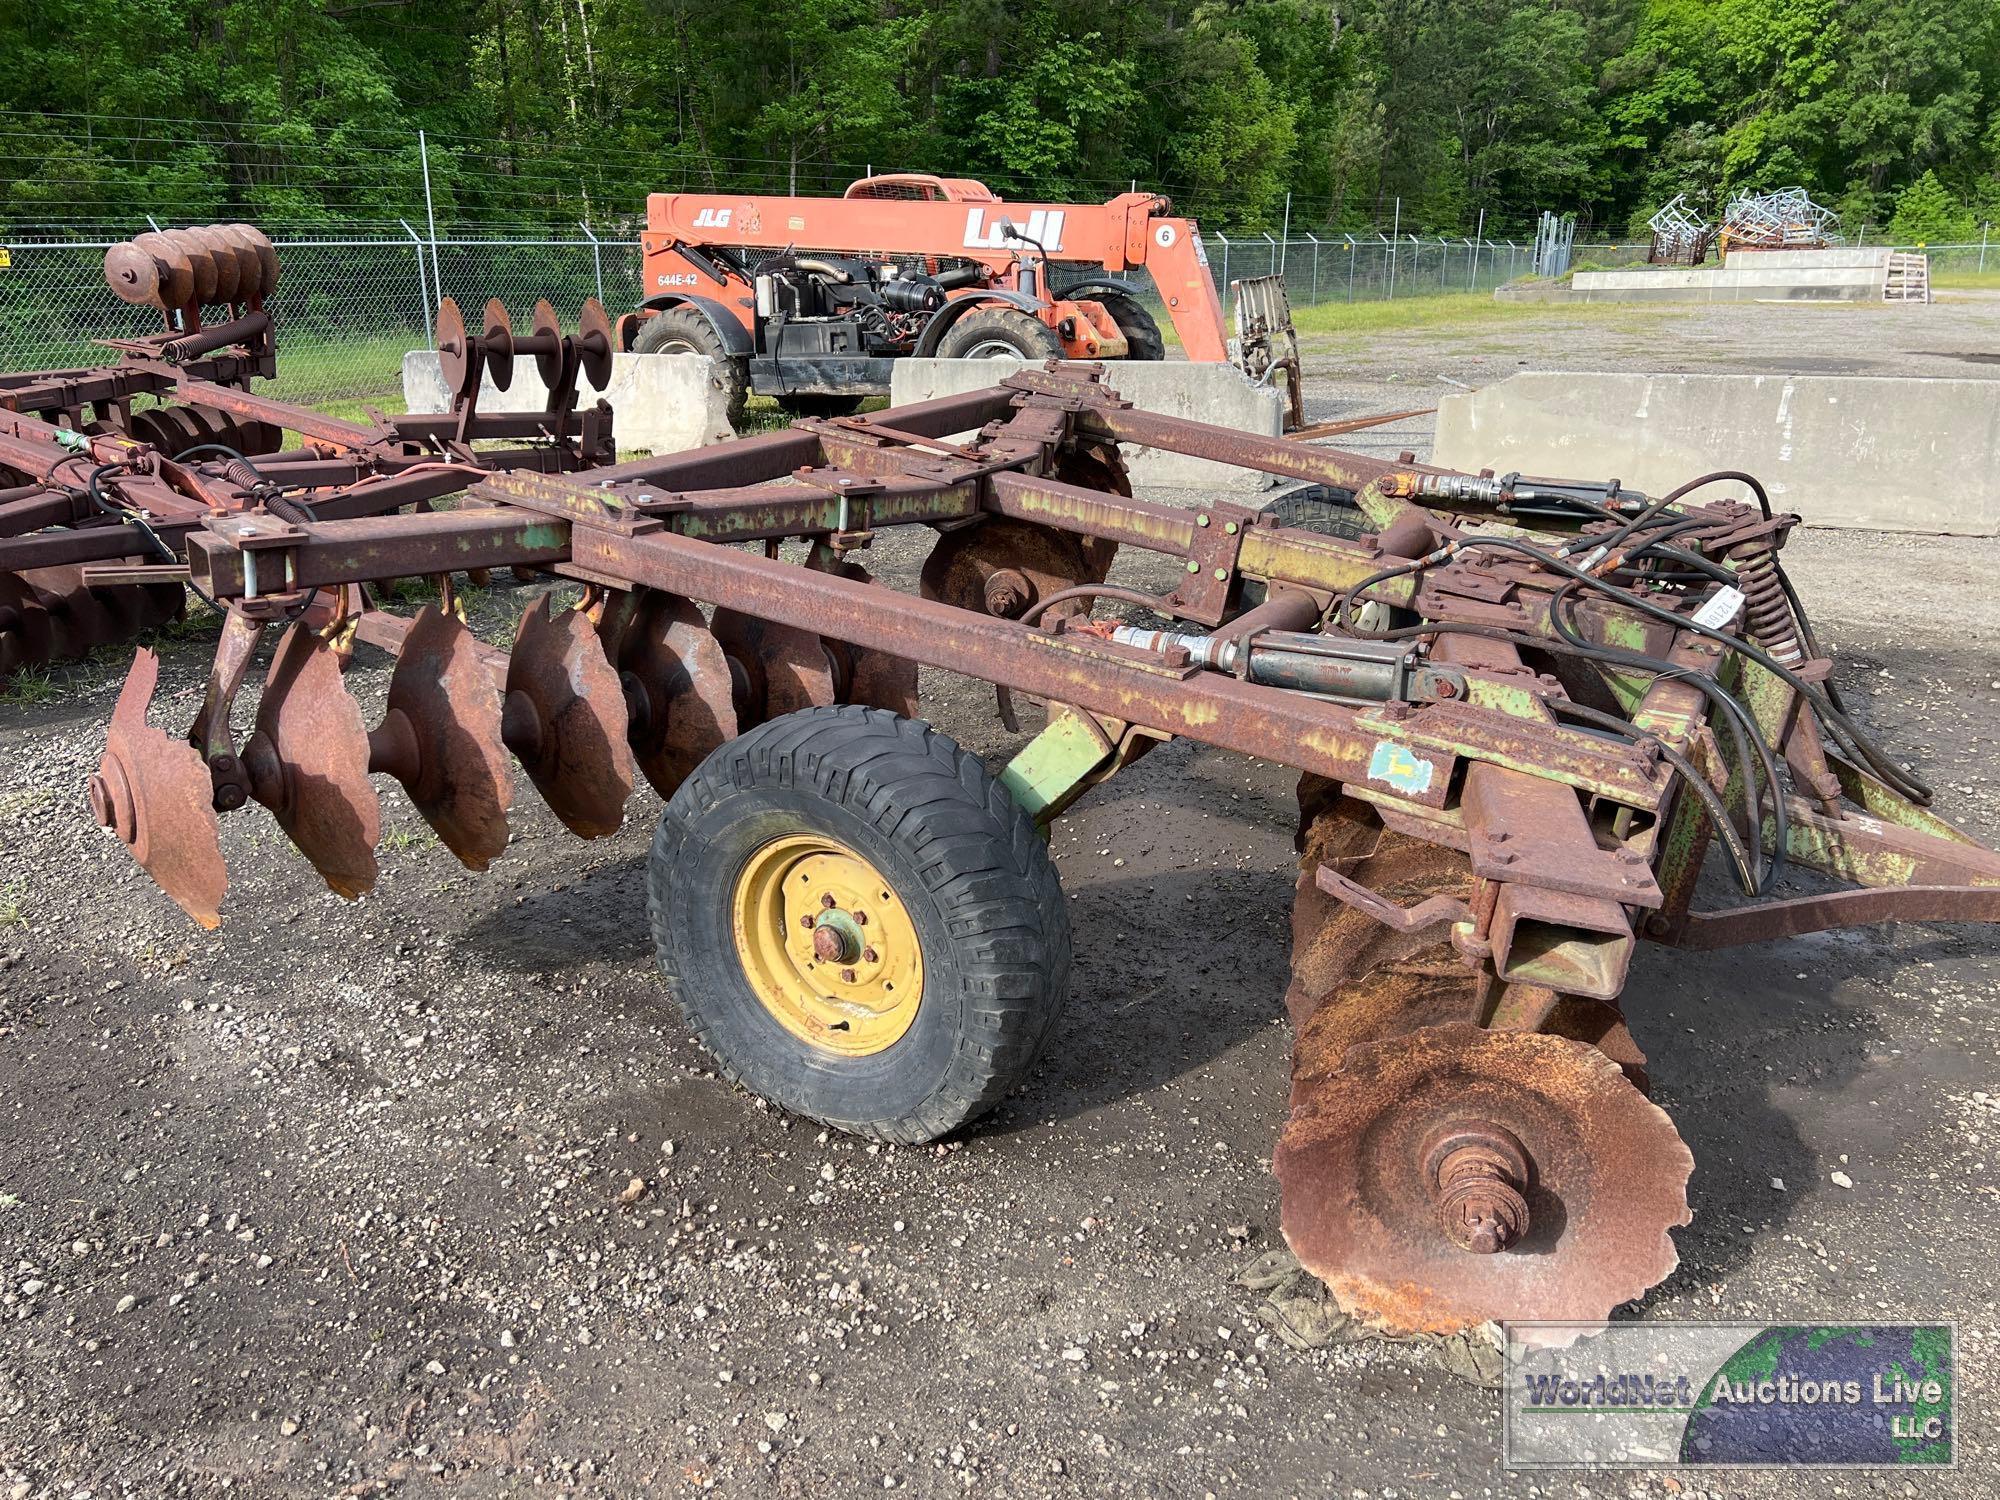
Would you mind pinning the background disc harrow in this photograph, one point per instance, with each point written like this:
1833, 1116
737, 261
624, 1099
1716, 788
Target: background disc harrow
172, 269
49, 615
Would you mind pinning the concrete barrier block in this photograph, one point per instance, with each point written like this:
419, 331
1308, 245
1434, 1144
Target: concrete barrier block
1732, 283
661, 403
1215, 393
1879, 453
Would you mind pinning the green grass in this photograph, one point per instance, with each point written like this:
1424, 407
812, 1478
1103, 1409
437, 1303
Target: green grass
1448, 309
11, 914
1965, 280
339, 376
32, 684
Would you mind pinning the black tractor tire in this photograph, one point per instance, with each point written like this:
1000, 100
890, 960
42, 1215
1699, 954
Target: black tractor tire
996, 332
1142, 332
970, 873
687, 330
807, 404
1323, 508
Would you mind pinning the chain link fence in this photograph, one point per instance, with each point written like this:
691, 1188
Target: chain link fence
348, 309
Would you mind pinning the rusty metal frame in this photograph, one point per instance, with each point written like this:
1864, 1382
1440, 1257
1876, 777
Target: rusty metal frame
1596, 828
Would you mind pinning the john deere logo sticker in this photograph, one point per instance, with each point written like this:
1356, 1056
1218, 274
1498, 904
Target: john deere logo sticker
1395, 766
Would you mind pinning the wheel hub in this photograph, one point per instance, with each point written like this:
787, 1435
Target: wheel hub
829, 949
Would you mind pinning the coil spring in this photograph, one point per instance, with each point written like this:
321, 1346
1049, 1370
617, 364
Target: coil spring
1767, 612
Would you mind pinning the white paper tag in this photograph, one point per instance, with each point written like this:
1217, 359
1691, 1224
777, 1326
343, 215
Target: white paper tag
1722, 607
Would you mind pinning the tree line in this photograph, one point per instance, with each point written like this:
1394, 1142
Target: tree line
1344, 114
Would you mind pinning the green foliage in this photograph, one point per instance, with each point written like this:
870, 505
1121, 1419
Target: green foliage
542, 112
1927, 214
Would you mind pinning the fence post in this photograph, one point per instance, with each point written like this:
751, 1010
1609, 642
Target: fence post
423, 286
1225, 259
1982, 245
1395, 233
1315, 244
1287, 232
430, 214
1275, 256
596, 257
1472, 285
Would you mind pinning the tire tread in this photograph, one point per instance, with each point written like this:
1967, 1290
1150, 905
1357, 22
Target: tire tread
977, 852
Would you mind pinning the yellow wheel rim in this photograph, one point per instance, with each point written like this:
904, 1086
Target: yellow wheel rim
829, 949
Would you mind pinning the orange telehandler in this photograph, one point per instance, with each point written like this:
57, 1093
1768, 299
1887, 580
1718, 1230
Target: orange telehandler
811, 300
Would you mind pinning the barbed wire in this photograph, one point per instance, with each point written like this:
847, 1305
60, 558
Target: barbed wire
374, 175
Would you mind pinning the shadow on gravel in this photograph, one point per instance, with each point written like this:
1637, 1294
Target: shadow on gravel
1170, 973
1724, 1033
597, 918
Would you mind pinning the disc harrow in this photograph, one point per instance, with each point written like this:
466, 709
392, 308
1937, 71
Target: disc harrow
104, 471
1525, 711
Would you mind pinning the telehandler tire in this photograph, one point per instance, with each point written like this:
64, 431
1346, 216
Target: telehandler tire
1000, 333
1142, 332
686, 330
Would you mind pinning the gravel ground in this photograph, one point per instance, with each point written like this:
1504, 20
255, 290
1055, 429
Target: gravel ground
431, 1194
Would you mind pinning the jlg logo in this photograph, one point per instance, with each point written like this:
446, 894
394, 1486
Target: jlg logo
1044, 227
712, 218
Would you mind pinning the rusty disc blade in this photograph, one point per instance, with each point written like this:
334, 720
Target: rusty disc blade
228, 269
27, 634
564, 718
682, 692
547, 333
308, 763
876, 679
175, 285
267, 255
1582, 1019
201, 262
793, 664
79, 620
1434, 990
1334, 944
441, 737
242, 241
1004, 567
135, 276
497, 337
155, 793
596, 342
1605, 1180
455, 362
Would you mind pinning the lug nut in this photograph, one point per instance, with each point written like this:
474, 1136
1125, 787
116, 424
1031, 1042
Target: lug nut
847, 976
868, 955
826, 901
